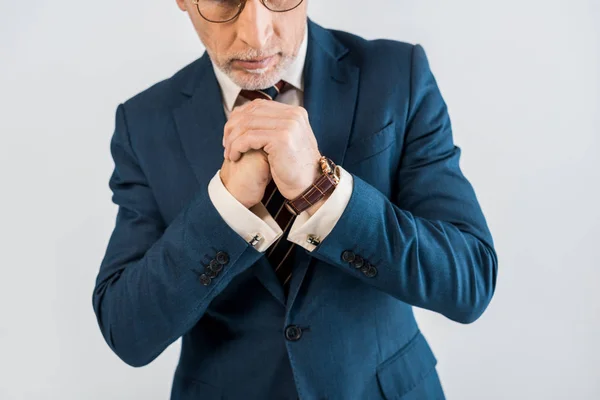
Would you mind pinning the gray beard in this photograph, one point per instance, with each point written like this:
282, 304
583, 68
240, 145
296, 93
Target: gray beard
259, 80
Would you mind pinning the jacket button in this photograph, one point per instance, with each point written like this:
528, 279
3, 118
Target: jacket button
348, 256
371, 272
215, 266
205, 280
358, 262
293, 333
222, 258
211, 273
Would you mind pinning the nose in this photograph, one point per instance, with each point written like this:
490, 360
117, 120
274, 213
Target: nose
255, 24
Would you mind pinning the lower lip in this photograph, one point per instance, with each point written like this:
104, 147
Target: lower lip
254, 64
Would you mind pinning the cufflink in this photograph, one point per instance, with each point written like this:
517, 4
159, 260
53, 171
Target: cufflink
257, 238
313, 239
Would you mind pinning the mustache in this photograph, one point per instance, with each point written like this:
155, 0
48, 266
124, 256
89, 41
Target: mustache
251, 54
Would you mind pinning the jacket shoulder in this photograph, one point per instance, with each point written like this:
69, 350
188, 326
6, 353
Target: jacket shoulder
165, 93
375, 52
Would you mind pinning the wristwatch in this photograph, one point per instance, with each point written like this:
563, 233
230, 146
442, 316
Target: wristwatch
325, 184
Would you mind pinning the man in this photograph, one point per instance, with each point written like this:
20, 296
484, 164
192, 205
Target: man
284, 201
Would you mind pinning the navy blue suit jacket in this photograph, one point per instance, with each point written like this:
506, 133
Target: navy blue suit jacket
345, 332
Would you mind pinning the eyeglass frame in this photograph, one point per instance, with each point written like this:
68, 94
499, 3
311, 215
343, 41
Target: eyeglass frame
242, 4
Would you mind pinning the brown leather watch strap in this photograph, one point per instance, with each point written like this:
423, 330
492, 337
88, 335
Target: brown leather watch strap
318, 190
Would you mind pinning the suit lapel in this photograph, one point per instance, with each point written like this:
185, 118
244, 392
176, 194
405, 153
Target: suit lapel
200, 121
330, 94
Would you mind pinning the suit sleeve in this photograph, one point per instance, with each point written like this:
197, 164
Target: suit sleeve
429, 246
154, 281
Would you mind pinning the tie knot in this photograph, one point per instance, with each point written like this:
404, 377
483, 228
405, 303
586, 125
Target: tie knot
267, 94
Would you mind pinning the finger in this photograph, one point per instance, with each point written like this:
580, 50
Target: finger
239, 113
247, 104
259, 123
276, 109
244, 108
256, 139
266, 109
263, 108
233, 119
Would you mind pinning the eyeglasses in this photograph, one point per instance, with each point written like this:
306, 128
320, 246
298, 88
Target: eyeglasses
220, 11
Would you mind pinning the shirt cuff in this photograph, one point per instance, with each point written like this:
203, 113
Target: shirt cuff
321, 223
255, 225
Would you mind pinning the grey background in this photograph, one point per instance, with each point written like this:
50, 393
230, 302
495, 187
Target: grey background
521, 79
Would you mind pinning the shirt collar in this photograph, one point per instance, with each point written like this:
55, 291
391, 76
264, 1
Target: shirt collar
293, 75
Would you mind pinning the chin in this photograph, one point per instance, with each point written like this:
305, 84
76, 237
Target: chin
255, 79
258, 78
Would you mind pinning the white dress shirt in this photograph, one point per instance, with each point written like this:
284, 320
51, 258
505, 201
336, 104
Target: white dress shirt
256, 221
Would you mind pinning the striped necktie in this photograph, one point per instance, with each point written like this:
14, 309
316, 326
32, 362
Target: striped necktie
279, 254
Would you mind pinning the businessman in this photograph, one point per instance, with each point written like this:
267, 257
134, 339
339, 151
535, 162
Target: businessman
283, 203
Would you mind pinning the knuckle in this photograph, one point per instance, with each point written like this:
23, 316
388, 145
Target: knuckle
228, 126
253, 105
301, 112
293, 125
240, 126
